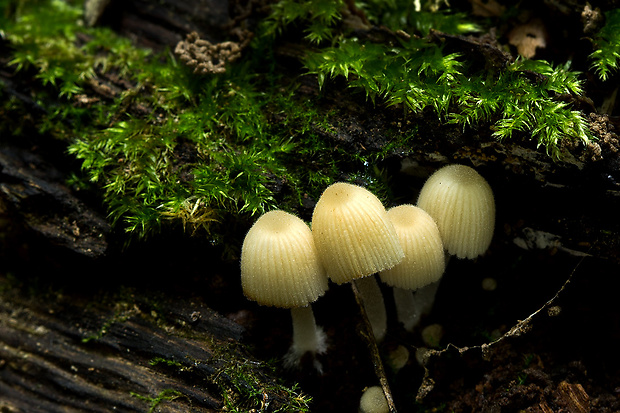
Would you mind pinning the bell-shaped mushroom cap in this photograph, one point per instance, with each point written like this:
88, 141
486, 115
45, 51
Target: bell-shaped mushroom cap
353, 234
424, 261
279, 262
461, 202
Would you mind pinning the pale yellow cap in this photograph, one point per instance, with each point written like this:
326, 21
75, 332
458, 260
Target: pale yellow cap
461, 202
279, 262
424, 261
352, 233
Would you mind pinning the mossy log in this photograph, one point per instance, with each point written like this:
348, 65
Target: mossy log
588, 176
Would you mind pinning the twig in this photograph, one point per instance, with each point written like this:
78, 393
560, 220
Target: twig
374, 349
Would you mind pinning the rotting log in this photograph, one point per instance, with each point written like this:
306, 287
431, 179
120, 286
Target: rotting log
58, 355
33, 192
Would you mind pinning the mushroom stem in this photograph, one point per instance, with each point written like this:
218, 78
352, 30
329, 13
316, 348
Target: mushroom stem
407, 313
412, 305
307, 337
425, 297
372, 298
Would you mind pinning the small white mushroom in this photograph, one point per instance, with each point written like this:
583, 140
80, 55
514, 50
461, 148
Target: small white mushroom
355, 239
280, 267
422, 267
352, 233
424, 261
373, 401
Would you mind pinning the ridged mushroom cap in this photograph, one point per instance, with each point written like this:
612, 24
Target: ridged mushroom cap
424, 261
353, 234
461, 202
279, 262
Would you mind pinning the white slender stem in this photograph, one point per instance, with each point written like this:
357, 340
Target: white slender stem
307, 337
425, 297
372, 298
412, 305
406, 308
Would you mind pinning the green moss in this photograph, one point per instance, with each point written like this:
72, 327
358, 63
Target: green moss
522, 376
317, 18
418, 75
202, 152
605, 58
403, 15
245, 388
164, 395
175, 147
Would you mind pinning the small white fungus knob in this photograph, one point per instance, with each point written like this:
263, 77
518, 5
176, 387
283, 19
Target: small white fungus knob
373, 401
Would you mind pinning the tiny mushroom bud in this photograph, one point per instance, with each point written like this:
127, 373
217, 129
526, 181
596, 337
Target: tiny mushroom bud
422, 267
280, 267
398, 358
432, 335
373, 401
355, 239
461, 202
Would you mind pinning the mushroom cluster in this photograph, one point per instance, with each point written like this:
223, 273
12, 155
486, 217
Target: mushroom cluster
284, 263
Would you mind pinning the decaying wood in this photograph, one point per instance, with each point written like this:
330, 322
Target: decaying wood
574, 397
61, 356
33, 192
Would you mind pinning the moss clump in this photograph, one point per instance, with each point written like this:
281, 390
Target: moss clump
605, 58
173, 147
170, 147
417, 74
244, 388
163, 396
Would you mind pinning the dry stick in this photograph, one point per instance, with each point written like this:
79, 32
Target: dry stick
374, 349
